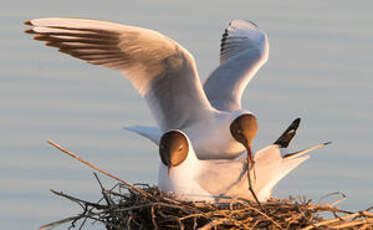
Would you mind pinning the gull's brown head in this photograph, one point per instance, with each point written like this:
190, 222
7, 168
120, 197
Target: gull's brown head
243, 130
173, 148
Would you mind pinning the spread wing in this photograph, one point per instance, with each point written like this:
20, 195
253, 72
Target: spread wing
244, 49
160, 69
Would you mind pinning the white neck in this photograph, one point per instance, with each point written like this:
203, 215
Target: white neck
182, 178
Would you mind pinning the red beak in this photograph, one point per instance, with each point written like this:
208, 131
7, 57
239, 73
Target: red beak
250, 155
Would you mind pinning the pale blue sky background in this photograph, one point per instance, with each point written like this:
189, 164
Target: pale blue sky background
320, 68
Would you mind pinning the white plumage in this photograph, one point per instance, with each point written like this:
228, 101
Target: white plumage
214, 180
165, 74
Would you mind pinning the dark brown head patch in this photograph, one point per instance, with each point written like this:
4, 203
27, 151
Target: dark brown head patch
173, 148
244, 128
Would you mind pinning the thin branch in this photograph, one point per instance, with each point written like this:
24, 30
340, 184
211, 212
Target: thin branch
145, 207
62, 149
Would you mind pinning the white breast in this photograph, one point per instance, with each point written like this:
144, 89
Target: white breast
182, 181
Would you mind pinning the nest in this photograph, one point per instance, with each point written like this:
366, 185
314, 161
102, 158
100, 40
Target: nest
140, 206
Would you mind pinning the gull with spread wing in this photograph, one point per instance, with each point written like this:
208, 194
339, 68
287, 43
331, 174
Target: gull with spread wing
165, 74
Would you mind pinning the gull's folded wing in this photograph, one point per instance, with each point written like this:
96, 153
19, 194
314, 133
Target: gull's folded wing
286, 166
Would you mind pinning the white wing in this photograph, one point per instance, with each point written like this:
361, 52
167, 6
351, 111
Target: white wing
244, 49
288, 163
220, 177
160, 69
286, 166
267, 162
229, 177
154, 134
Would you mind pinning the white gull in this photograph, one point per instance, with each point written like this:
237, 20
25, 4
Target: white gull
165, 74
192, 179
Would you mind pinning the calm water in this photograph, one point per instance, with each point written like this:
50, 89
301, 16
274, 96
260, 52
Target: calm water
320, 69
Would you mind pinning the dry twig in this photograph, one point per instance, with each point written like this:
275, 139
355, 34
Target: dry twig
130, 206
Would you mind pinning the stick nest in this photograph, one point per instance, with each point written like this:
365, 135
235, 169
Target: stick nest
121, 207
140, 206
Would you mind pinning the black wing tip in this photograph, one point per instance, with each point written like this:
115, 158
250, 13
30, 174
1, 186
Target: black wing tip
327, 143
296, 122
223, 40
29, 31
284, 140
28, 22
41, 37
293, 126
